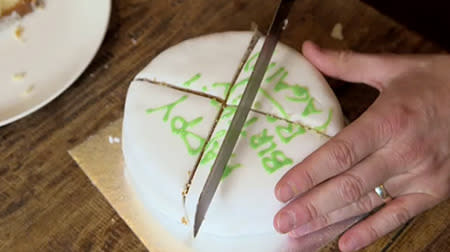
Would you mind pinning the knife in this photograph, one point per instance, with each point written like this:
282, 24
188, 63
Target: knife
279, 23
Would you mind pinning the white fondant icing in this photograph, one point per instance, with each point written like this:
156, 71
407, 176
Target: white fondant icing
211, 60
157, 159
158, 163
244, 203
300, 76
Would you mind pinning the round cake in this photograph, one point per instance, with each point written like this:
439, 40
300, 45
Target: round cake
177, 112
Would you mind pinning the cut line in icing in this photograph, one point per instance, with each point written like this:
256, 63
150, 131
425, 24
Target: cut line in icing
323, 128
268, 161
192, 80
252, 44
272, 159
273, 118
217, 100
274, 103
185, 90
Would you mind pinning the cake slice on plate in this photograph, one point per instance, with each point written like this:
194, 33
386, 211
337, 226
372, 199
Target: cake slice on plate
21, 7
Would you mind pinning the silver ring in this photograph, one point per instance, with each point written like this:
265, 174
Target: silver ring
382, 193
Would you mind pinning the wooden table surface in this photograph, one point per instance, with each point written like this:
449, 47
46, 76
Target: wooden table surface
48, 204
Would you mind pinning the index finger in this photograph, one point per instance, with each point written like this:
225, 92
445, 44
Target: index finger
350, 146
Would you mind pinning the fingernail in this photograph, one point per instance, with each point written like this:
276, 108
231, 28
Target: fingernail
285, 221
300, 231
287, 192
350, 244
284, 193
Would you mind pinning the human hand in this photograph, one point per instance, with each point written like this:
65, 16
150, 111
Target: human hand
402, 142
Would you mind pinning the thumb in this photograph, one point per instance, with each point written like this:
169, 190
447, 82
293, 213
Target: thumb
376, 70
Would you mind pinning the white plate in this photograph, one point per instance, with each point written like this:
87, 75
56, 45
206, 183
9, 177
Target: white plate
59, 43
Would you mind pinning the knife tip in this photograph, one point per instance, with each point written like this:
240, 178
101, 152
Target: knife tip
195, 233
196, 228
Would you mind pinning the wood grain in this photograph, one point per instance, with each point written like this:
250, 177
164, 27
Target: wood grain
428, 227
48, 204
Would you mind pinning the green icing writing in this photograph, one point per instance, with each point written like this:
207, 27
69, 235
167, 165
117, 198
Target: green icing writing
324, 127
225, 85
274, 75
179, 126
249, 66
276, 161
169, 108
258, 105
271, 119
215, 104
249, 122
241, 83
286, 134
204, 88
192, 80
272, 147
236, 86
259, 140
211, 152
301, 94
229, 169
236, 100
213, 147
304, 97
310, 108
228, 112
270, 66
272, 159
275, 103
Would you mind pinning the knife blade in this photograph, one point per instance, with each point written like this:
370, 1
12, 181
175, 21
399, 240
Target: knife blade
279, 23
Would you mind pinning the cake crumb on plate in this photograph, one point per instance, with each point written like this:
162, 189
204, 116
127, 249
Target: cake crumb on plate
18, 33
19, 76
184, 221
29, 90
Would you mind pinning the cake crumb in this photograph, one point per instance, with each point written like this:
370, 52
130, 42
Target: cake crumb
92, 75
18, 33
189, 173
19, 76
285, 24
336, 33
106, 66
184, 221
133, 41
29, 90
113, 140
184, 193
